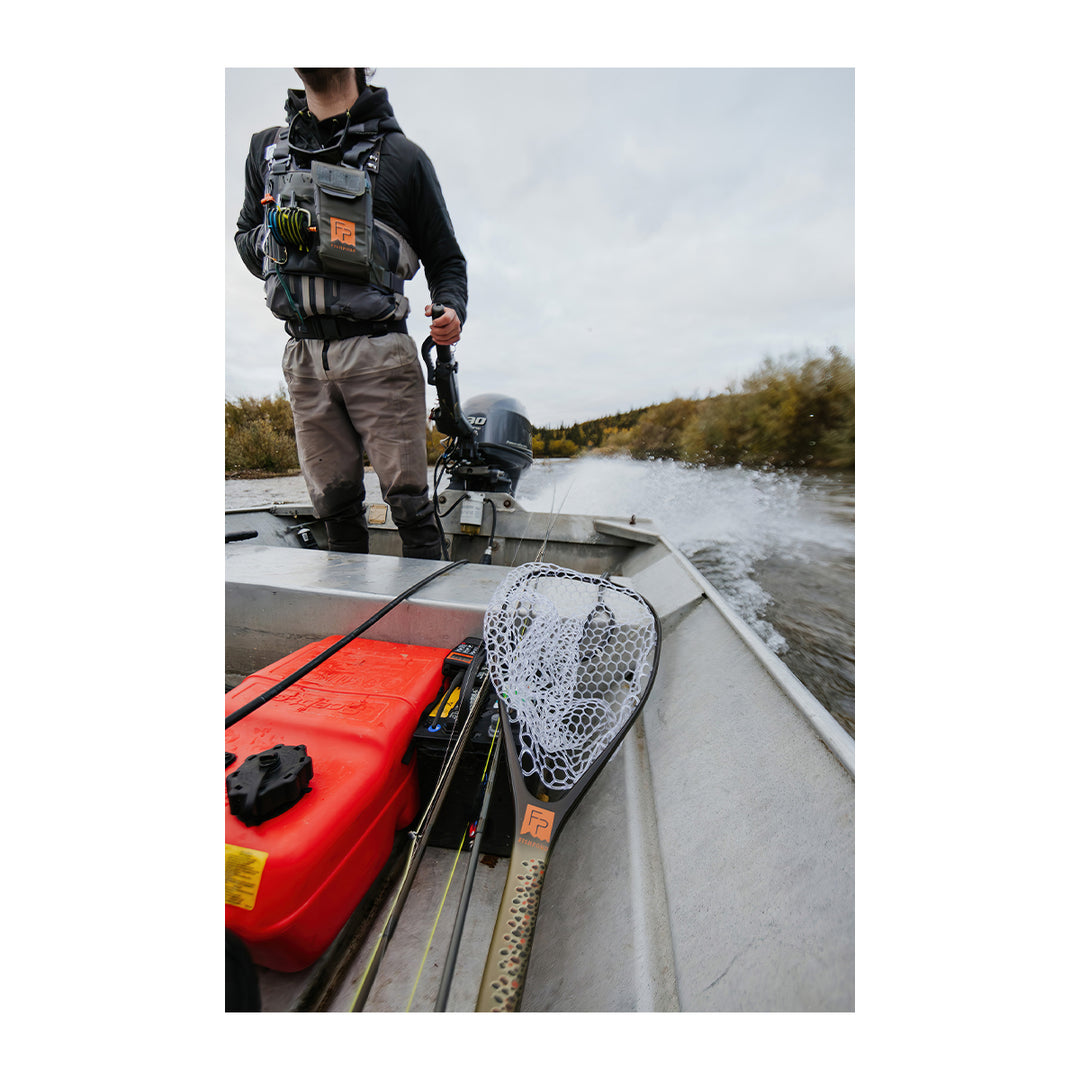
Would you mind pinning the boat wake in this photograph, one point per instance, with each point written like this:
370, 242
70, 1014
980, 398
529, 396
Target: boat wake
726, 521
779, 547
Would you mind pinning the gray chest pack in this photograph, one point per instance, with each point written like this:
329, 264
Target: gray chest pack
320, 225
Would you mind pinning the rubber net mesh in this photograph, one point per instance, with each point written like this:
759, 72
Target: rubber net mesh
571, 656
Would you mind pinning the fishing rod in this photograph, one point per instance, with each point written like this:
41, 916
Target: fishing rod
470, 875
263, 698
421, 835
330, 971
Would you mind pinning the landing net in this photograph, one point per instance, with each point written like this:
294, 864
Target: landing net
570, 655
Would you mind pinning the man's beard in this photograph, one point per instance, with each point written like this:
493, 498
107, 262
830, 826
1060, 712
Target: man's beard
323, 80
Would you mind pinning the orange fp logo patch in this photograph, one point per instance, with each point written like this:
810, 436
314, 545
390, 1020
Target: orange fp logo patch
342, 232
538, 822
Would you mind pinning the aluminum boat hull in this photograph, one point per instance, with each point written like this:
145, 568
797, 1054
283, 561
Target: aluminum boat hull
711, 867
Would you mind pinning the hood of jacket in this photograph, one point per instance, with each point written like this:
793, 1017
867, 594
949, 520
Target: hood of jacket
373, 103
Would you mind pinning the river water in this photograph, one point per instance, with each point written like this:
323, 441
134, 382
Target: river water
779, 546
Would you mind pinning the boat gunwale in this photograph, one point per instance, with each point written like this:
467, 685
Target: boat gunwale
622, 532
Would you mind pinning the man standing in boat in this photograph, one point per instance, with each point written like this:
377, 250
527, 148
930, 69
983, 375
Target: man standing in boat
340, 209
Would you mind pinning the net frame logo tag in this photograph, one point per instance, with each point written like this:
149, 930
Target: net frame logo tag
537, 822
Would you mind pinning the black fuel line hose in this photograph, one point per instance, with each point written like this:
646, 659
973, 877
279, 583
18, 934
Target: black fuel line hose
263, 698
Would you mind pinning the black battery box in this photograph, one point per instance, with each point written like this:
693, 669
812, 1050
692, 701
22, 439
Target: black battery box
432, 741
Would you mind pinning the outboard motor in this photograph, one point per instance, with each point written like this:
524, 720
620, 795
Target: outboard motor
503, 441
490, 439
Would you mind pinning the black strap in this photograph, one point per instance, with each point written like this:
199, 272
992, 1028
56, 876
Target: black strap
280, 161
364, 154
328, 328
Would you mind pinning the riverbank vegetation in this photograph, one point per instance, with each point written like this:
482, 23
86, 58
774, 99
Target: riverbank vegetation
788, 413
259, 436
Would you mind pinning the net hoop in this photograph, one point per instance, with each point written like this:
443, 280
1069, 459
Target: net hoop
570, 656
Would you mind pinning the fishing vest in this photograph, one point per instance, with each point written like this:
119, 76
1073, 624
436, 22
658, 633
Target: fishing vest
341, 262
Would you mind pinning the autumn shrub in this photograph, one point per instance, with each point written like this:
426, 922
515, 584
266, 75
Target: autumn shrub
658, 433
785, 414
259, 435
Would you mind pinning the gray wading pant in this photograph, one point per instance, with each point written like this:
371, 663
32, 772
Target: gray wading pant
357, 394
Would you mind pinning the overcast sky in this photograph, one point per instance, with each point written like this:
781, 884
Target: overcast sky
632, 235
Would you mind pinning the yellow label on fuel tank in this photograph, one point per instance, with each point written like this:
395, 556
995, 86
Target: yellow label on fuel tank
243, 872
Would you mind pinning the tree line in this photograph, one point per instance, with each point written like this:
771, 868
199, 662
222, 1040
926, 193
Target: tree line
788, 413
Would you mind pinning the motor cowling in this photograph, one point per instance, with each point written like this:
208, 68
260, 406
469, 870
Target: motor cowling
503, 444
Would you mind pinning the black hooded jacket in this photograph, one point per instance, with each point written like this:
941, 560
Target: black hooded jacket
405, 190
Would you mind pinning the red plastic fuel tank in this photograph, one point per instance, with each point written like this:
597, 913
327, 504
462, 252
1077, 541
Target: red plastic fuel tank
292, 881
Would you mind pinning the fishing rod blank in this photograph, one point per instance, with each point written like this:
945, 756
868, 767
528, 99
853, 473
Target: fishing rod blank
421, 837
470, 875
263, 698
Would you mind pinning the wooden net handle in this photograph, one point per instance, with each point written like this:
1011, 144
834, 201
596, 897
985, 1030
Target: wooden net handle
511, 942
